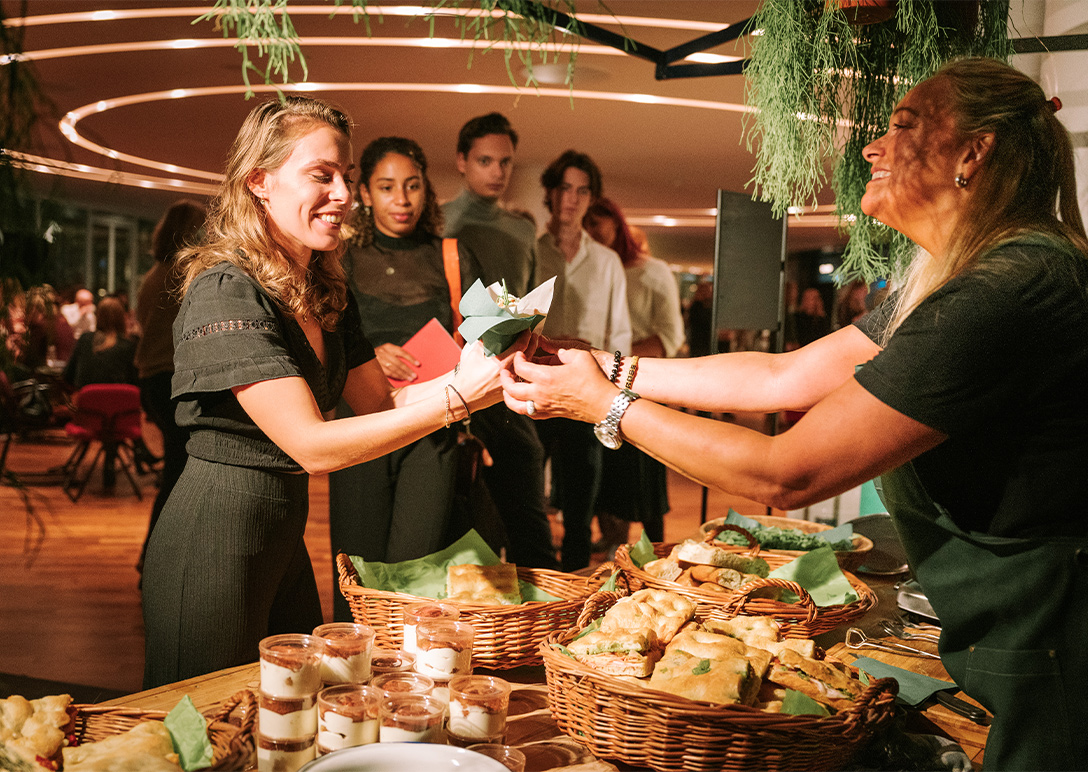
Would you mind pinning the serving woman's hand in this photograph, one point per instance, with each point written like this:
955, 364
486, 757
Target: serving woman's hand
477, 378
574, 387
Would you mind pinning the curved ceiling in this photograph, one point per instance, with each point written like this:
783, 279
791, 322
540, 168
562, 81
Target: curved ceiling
143, 104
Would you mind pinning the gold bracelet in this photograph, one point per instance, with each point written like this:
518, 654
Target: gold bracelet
449, 415
631, 372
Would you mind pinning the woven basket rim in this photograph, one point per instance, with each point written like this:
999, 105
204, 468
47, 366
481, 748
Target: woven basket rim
865, 598
349, 585
235, 741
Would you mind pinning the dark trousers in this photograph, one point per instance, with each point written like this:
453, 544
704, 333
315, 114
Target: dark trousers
226, 566
156, 402
516, 484
576, 462
394, 508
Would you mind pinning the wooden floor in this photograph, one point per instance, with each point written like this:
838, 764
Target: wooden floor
69, 600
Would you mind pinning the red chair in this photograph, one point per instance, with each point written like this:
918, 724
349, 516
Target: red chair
110, 414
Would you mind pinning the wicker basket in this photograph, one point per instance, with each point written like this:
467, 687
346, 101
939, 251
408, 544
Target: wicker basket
230, 727
803, 619
848, 560
623, 720
505, 636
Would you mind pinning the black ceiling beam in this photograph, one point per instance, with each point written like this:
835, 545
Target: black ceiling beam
709, 40
1045, 45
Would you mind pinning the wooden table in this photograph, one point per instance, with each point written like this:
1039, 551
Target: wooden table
531, 727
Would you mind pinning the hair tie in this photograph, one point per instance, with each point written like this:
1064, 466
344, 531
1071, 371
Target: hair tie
1055, 104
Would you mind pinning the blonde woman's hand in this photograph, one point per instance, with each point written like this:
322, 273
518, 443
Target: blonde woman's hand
573, 387
395, 362
477, 374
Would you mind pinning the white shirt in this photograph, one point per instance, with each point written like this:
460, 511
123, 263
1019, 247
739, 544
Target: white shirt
590, 300
653, 299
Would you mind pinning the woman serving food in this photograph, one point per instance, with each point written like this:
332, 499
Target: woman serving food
266, 342
967, 400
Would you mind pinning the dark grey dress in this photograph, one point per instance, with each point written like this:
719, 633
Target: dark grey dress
227, 564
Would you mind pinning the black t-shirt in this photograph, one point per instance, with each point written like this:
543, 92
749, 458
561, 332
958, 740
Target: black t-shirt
997, 359
230, 332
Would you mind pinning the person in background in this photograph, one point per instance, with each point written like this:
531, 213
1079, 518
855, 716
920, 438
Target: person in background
399, 506
49, 337
157, 307
106, 356
811, 320
80, 312
266, 341
12, 326
964, 392
589, 305
850, 304
634, 486
503, 245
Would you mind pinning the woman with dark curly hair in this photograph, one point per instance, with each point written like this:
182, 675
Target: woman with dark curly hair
395, 271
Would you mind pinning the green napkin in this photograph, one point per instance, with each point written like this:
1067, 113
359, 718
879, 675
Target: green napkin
426, 577
189, 733
914, 688
642, 551
498, 325
818, 572
797, 704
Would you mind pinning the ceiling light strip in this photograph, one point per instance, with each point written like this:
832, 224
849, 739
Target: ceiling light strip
98, 174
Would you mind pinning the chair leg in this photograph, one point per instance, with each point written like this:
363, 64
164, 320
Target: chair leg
126, 467
81, 484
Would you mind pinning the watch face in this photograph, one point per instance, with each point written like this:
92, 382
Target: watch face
610, 439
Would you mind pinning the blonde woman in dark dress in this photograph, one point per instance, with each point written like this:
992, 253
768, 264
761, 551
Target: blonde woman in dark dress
266, 342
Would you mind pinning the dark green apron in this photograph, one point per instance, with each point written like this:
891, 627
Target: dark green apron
1014, 617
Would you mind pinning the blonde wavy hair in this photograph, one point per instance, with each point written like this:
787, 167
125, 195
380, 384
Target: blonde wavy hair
236, 229
1025, 185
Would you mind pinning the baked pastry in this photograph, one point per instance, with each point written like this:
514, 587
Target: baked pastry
31, 731
657, 611
707, 644
663, 568
752, 630
707, 667
700, 552
819, 680
493, 585
619, 652
146, 747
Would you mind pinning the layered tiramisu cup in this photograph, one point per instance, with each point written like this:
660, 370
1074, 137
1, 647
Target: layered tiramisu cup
390, 661
424, 612
286, 718
444, 649
347, 716
477, 711
412, 718
348, 649
284, 755
393, 684
291, 665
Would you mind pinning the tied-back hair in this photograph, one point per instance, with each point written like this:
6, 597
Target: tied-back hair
625, 245
237, 231
111, 323
431, 219
1026, 183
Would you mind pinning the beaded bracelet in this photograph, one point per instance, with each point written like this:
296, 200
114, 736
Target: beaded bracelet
616, 367
449, 414
631, 373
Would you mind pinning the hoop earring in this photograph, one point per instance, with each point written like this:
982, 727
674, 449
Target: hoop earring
961, 181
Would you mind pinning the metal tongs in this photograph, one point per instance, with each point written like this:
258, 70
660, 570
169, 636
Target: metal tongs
856, 639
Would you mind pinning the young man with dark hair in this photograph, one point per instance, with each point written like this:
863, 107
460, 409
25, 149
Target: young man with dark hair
590, 304
502, 245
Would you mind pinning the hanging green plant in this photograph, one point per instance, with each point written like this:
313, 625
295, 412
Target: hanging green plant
824, 88
266, 26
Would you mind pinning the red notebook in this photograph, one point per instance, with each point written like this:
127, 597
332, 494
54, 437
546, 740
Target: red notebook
436, 350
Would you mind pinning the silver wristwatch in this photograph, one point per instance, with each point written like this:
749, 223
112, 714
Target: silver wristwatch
608, 430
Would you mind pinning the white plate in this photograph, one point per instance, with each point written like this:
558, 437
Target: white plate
398, 757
